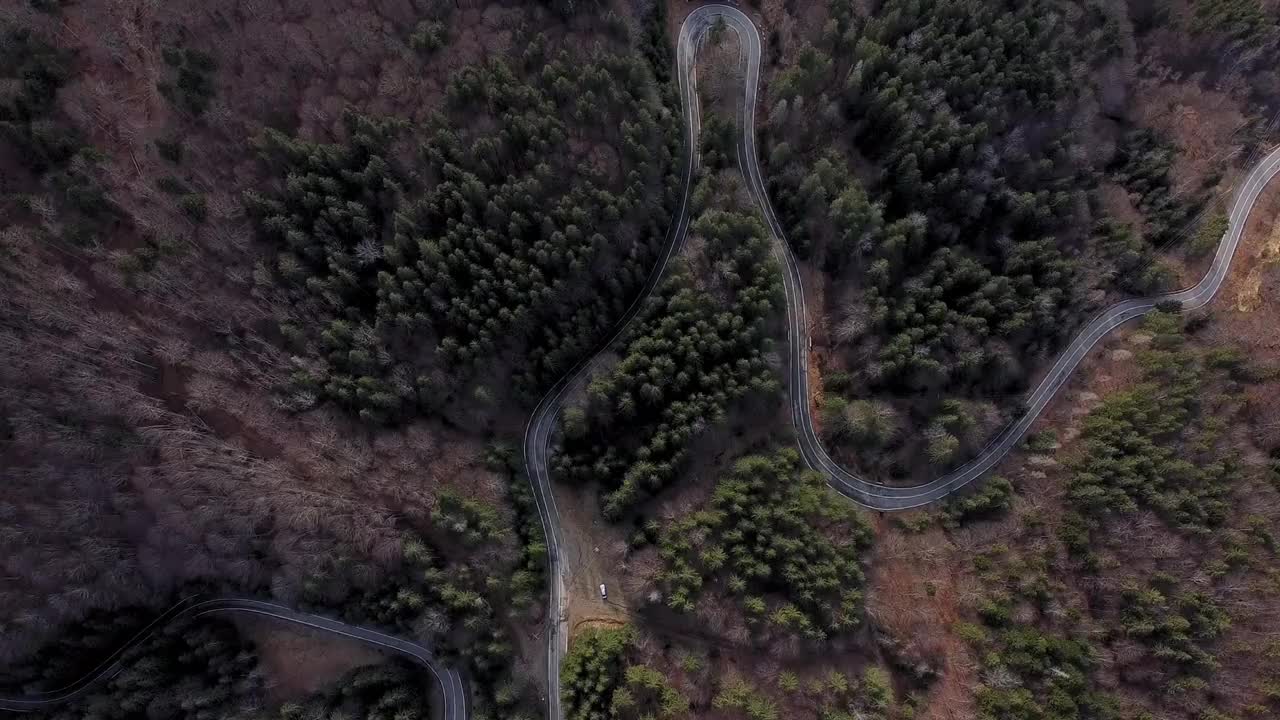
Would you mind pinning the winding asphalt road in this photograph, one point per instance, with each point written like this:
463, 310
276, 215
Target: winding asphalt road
869, 494
537, 438
452, 689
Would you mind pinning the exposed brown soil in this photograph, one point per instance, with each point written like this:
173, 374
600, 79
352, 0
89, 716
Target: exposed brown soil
595, 553
298, 662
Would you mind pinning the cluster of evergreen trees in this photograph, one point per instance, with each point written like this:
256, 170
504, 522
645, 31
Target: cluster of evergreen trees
958, 241
1142, 165
599, 682
1176, 624
1153, 446
457, 606
1033, 673
395, 690
837, 696
525, 225
769, 531
693, 351
202, 669
62, 184
191, 669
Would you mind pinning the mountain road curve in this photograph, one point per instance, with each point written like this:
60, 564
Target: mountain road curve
452, 689
866, 493
874, 495
541, 424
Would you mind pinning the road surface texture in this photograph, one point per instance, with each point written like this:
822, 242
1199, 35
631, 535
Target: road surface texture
537, 438
453, 691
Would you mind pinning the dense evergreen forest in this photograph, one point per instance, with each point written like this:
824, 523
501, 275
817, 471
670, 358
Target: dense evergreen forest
203, 669
771, 530
697, 349
939, 162
191, 669
526, 222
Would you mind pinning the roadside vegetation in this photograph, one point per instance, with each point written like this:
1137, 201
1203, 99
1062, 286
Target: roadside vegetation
698, 349
202, 669
779, 540
255, 303
1129, 572
599, 681
952, 227
193, 669
478, 246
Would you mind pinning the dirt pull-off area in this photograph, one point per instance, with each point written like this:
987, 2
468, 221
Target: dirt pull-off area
297, 662
594, 553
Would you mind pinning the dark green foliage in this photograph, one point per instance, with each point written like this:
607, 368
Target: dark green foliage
738, 694
170, 150
772, 529
1150, 447
192, 87
992, 498
514, 241
89, 214
391, 691
193, 669
52, 7
1134, 266
1177, 626
194, 206
592, 672
923, 154
79, 648
457, 606
1032, 673
26, 115
655, 44
647, 695
688, 356
598, 683
719, 139
144, 258
529, 580
337, 200
834, 696
1142, 166
429, 36
171, 185
48, 145
1209, 235
569, 8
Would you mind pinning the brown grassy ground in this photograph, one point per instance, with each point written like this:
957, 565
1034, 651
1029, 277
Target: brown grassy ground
296, 663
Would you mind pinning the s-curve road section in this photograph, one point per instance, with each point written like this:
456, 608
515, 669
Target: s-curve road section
693, 33
452, 689
871, 494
